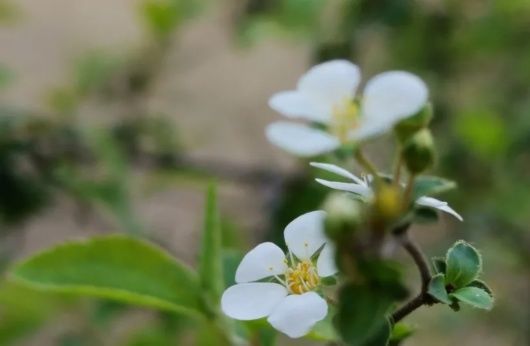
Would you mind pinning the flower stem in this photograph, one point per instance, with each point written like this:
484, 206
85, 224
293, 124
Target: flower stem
407, 195
425, 273
367, 165
397, 169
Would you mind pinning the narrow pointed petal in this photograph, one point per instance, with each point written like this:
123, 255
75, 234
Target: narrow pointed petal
437, 204
250, 301
332, 81
265, 260
300, 140
337, 170
358, 189
296, 104
297, 314
305, 234
326, 261
392, 96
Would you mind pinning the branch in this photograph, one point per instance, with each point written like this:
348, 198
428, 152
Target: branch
425, 273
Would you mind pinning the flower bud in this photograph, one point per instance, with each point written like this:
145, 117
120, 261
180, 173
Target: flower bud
343, 215
418, 152
387, 205
406, 128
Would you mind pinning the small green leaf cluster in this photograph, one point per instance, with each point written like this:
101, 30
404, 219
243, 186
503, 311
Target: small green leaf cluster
457, 279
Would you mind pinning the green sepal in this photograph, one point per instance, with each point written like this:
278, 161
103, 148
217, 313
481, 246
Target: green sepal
464, 264
329, 281
426, 185
474, 296
437, 289
439, 265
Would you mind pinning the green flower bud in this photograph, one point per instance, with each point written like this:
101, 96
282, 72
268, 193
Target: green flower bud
419, 152
406, 128
343, 215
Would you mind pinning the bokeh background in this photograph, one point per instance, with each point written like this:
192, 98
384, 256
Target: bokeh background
114, 115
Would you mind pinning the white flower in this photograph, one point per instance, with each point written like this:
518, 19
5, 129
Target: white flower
287, 298
362, 188
326, 95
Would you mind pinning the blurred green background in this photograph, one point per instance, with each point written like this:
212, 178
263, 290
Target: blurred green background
115, 114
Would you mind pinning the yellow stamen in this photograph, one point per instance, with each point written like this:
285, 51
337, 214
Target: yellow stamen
302, 278
345, 118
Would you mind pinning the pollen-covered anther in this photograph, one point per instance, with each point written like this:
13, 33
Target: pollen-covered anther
345, 117
302, 278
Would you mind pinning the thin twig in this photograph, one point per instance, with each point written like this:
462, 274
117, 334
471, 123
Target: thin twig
419, 259
425, 273
397, 169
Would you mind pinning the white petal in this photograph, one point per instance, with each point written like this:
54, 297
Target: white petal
251, 301
337, 170
371, 127
296, 104
300, 139
333, 81
437, 204
362, 190
297, 314
326, 261
265, 260
392, 96
305, 234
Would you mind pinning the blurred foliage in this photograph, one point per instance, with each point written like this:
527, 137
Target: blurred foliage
163, 16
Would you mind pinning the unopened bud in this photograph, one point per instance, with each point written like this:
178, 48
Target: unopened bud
387, 203
406, 128
418, 152
343, 215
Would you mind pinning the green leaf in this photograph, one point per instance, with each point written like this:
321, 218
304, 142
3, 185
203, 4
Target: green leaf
474, 296
464, 264
114, 267
361, 313
401, 332
430, 186
439, 265
381, 336
437, 289
23, 311
210, 259
481, 284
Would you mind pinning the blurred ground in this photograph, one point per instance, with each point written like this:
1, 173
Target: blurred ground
216, 93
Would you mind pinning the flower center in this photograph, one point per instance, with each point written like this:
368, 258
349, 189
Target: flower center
302, 278
345, 117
